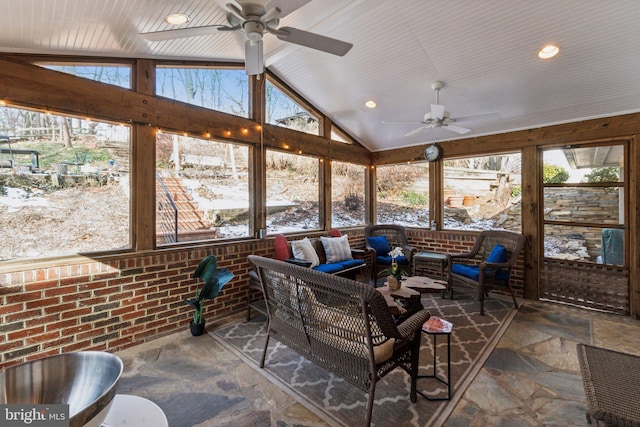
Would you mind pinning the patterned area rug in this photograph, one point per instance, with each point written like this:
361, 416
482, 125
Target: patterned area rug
339, 403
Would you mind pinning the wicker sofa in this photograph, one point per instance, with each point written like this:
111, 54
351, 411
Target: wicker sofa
340, 324
358, 262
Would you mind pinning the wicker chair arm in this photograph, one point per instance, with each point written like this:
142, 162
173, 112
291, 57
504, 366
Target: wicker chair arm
607, 419
413, 324
465, 255
409, 252
300, 262
358, 252
485, 264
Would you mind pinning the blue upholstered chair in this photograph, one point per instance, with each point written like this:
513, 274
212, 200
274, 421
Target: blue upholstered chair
488, 265
383, 238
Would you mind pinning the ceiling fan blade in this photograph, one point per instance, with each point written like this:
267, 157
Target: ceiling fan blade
253, 59
437, 111
415, 131
492, 115
312, 40
285, 6
237, 13
158, 36
458, 129
400, 122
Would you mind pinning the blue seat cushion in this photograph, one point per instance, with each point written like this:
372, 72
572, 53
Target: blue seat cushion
473, 272
349, 263
335, 267
498, 254
386, 260
380, 244
329, 268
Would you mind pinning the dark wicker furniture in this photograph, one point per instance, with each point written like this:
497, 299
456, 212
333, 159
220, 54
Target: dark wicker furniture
396, 236
340, 324
612, 386
350, 269
476, 267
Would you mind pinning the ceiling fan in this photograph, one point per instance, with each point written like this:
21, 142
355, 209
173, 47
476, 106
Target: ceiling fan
438, 116
254, 18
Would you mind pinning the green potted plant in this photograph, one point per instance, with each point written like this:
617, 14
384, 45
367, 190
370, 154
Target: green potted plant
213, 279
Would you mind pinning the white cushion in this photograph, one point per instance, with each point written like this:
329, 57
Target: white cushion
336, 249
303, 249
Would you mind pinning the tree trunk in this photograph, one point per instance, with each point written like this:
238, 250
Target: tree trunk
65, 133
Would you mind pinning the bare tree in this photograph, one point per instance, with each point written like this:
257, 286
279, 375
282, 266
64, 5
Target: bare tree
65, 132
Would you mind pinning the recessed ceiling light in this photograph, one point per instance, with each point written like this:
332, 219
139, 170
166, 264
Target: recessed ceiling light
177, 18
548, 52
370, 103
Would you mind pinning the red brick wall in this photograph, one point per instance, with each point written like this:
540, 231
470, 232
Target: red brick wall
129, 299
114, 304
111, 305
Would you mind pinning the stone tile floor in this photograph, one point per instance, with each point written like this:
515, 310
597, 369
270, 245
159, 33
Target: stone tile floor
531, 378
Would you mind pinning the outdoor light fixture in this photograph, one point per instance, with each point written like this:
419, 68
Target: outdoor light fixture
177, 18
548, 52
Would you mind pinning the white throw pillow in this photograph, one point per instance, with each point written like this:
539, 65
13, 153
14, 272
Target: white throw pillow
336, 248
303, 249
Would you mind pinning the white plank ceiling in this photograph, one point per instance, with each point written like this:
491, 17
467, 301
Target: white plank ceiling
484, 50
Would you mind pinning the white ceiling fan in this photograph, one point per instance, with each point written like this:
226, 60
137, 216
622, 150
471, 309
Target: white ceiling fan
438, 116
254, 18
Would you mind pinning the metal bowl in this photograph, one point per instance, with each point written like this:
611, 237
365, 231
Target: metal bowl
85, 380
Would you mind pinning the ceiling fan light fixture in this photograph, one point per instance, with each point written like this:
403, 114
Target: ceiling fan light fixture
548, 52
176, 18
370, 103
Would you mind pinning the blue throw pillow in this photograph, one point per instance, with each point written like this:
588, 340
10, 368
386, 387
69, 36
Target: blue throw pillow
380, 244
498, 254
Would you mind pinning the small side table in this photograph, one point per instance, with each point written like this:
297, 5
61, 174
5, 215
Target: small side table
436, 326
129, 411
422, 258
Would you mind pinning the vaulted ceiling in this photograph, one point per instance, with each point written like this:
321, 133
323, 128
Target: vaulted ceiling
485, 51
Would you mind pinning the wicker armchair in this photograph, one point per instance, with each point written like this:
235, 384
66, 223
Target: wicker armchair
340, 324
395, 235
612, 386
489, 263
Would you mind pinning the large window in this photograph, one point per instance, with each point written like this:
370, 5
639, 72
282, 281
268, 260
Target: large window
482, 193
202, 189
403, 194
64, 185
225, 90
114, 74
283, 111
347, 194
584, 213
292, 192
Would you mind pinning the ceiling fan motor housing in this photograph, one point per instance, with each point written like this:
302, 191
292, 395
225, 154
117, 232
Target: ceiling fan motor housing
428, 118
253, 28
